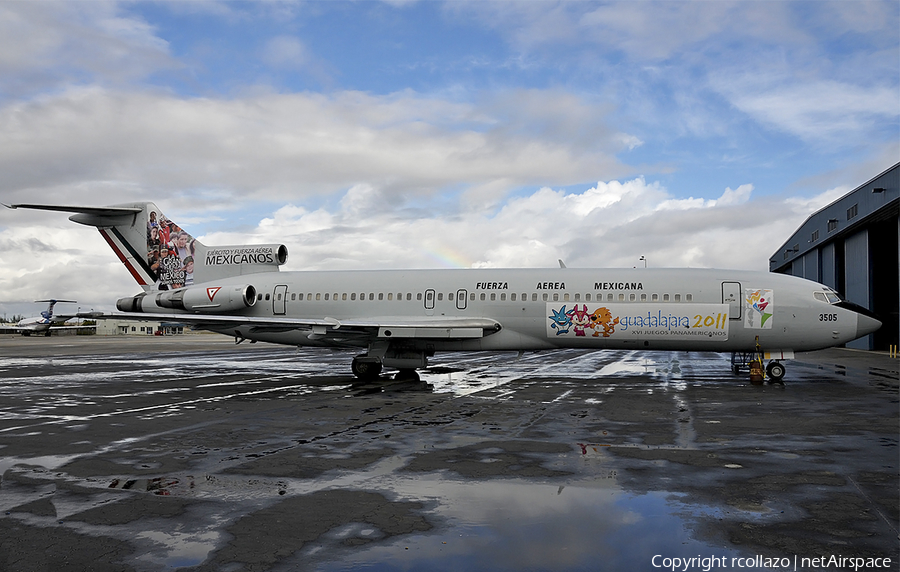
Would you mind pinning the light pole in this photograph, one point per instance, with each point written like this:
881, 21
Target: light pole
644, 258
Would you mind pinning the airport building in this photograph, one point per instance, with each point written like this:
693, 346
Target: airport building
139, 328
851, 245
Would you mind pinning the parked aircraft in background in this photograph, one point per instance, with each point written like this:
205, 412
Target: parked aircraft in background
47, 320
400, 318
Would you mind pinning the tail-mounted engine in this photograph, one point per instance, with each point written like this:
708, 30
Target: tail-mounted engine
201, 298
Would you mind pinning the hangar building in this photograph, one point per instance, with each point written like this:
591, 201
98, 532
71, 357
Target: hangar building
851, 245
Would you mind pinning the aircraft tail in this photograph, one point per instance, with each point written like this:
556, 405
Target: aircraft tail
48, 313
161, 255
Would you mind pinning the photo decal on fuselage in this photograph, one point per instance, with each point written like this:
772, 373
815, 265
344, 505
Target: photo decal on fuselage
646, 321
170, 252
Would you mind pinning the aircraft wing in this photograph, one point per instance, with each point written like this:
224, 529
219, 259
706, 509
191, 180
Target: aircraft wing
418, 328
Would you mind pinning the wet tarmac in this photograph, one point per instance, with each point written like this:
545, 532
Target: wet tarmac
192, 453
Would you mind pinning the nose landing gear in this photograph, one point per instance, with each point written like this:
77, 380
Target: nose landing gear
775, 372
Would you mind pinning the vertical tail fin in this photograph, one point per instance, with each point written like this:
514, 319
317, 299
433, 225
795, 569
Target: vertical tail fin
157, 252
48, 313
160, 255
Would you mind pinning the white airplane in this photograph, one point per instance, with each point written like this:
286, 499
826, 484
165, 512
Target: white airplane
42, 324
400, 318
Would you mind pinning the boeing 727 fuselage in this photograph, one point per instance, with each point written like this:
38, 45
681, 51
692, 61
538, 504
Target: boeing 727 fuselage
399, 318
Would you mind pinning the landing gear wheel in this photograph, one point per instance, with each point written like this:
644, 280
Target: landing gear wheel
775, 372
365, 370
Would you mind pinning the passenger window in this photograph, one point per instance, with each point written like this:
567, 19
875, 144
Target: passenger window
534, 297
655, 297
545, 296
450, 296
268, 297
318, 295
390, 296
399, 296
688, 297
279, 297
678, 297
353, 296
381, 296
440, 296
524, 297
503, 297
293, 296
609, 297
631, 298
259, 297
472, 296
566, 297
577, 296
643, 297
556, 296
621, 297
335, 296
419, 296
587, 297
512, 297
344, 296
371, 296
326, 295
493, 297
409, 296
665, 297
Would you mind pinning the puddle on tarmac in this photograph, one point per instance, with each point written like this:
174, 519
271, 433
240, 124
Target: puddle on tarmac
518, 525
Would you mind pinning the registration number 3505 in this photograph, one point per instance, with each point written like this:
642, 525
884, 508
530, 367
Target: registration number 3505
828, 317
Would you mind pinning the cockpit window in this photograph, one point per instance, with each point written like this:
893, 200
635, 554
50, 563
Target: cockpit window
827, 297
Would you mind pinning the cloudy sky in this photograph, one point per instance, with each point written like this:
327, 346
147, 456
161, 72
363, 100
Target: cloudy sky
437, 134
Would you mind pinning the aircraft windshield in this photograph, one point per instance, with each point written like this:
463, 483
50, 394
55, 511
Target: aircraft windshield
827, 297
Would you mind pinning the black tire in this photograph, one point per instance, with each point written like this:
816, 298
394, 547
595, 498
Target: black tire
365, 370
775, 370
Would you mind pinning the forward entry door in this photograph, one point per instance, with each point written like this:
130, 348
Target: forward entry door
731, 295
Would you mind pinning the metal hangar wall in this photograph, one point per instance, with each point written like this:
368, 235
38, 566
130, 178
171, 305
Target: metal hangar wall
851, 245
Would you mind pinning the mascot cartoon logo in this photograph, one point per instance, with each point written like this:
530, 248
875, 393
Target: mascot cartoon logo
603, 323
561, 320
580, 319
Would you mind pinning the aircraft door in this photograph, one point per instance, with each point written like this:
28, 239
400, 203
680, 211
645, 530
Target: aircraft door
278, 299
731, 295
429, 302
461, 296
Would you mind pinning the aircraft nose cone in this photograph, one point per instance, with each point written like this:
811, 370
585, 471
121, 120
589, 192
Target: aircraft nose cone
866, 325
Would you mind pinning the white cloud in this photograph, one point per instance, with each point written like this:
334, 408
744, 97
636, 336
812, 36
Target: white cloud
282, 147
49, 45
609, 225
811, 109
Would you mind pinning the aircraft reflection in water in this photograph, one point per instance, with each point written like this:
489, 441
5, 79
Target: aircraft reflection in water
402, 317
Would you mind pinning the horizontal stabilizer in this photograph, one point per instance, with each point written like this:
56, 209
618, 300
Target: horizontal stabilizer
96, 211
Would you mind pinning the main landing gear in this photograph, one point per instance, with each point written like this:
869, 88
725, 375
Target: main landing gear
365, 367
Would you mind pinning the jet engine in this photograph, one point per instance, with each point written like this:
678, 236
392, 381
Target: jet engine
199, 298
